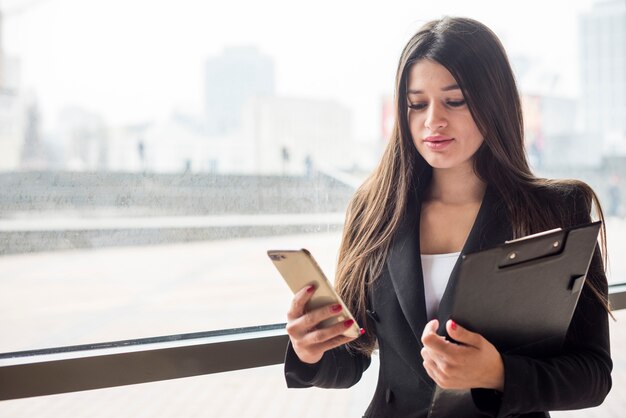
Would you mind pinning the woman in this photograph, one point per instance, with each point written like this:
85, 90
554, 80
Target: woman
453, 179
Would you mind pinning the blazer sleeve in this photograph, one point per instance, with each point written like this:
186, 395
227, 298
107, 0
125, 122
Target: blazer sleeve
580, 376
338, 368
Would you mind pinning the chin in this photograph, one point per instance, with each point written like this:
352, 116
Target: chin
442, 165
448, 164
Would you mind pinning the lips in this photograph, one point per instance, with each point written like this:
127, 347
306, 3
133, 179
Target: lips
438, 142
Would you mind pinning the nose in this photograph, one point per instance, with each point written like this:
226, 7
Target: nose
435, 118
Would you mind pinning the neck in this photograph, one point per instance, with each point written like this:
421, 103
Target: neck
455, 186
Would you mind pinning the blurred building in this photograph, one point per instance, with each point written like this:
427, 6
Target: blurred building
13, 115
33, 154
552, 138
603, 77
84, 137
278, 135
292, 135
165, 146
551, 109
232, 78
12, 123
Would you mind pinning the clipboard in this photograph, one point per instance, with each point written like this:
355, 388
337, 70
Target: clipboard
521, 295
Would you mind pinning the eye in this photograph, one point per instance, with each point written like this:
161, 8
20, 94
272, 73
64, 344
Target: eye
456, 103
417, 106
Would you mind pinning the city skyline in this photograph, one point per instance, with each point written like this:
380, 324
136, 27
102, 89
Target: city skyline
129, 75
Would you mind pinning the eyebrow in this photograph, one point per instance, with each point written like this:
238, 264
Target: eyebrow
446, 88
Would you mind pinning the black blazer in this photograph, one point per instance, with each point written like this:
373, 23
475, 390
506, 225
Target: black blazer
579, 377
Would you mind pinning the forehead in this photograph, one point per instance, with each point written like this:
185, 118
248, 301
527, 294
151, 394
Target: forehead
427, 74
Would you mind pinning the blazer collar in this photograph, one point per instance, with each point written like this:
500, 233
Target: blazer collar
491, 227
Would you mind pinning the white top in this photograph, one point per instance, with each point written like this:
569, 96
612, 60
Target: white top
436, 269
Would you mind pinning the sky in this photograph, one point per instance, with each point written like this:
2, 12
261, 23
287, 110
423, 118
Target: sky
134, 61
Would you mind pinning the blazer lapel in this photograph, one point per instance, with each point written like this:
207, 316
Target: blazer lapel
405, 268
490, 228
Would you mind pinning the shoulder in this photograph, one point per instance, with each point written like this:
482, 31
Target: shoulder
571, 200
558, 188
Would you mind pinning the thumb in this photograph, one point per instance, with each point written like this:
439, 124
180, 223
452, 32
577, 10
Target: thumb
433, 325
430, 328
462, 335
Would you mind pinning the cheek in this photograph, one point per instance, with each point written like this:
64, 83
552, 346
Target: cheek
415, 124
479, 139
474, 135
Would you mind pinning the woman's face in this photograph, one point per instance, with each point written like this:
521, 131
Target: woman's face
441, 124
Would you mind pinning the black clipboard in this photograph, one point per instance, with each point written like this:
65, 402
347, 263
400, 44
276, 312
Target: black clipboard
521, 295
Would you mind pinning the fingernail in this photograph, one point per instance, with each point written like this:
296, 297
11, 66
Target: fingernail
348, 323
453, 325
361, 331
310, 289
336, 308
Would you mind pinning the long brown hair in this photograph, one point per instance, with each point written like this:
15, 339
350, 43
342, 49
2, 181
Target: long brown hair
477, 60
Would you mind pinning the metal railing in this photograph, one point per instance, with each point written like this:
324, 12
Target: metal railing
77, 368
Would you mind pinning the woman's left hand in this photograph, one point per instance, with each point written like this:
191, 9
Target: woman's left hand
474, 363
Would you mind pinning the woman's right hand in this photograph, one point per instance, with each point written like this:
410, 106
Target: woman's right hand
309, 342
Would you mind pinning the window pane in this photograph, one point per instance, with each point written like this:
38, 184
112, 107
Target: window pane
152, 152
82, 296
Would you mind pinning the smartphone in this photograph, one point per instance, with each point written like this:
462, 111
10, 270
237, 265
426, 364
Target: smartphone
299, 269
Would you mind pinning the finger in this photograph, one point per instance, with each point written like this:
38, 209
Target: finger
430, 338
426, 355
462, 335
436, 372
323, 335
437, 357
431, 369
299, 301
301, 325
442, 349
334, 343
430, 328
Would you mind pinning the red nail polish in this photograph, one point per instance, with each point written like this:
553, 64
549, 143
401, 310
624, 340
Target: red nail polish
361, 331
336, 308
348, 322
310, 289
453, 325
